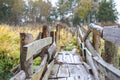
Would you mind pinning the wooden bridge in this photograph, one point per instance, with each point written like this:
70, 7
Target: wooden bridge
66, 65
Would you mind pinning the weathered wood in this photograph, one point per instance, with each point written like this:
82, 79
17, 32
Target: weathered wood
111, 54
52, 50
45, 30
39, 36
38, 74
54, 71
63, 71
77, 59
96, 27
112, 34
52, 35
36, 46
19, 76
26, 64
74, 70
87, 67
110, 71
86, 35
96, 41
47, 73
80, 33
91, 63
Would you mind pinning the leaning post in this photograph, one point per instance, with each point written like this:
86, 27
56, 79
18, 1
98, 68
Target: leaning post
25, 38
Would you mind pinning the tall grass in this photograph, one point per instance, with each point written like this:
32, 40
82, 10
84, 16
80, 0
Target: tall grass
10, 46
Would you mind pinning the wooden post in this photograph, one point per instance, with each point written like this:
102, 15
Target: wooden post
111, 53
96, 41
57, 33
25, 38
39, 36
52, 35
45, 31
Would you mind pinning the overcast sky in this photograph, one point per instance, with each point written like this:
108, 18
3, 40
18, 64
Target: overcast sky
117, 2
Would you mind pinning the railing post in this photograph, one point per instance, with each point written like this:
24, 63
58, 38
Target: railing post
45, 31
25, 38
111, 53
57, 33
96, 41
53, 36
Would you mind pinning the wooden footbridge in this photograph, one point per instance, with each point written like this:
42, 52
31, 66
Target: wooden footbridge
66, 65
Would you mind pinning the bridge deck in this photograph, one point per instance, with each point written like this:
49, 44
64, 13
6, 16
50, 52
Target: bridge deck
69, 66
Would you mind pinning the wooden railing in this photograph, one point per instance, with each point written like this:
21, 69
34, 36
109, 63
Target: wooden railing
44, 46
100, 69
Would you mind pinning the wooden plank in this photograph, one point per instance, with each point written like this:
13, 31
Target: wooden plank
38, 74
47, 73
62, 79
72, 58
70, 78
63, 71
74, 70
52, 50
78, 78
76, 59
54, 71
112, 34
96, 27
87, 67
19, 76
59, 58
36, 46
66, 58
111, 72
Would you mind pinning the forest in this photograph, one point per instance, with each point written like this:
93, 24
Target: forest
17, 16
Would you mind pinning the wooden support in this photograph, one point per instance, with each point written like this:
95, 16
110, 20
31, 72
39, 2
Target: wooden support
111, 53
57, 33
19, 76
52, 35
96, 41
91, 63
39, 36
39, 72
96, 27
26, 65
45, 30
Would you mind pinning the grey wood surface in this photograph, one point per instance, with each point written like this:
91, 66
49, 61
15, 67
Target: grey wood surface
69, 67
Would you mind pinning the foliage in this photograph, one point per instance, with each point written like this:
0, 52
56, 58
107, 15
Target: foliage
11, 11
10, 48
69, 42
107, 12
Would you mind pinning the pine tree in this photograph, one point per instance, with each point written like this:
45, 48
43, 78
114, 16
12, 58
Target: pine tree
107, 12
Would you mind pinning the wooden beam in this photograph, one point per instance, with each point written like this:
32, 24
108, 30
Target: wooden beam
91, 63
36, 46
52, 50
19, 76
49, 68
109, 70
38, 74
96, 27
112, 34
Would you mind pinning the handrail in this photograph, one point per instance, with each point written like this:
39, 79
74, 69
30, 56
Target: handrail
45, 47
90, 53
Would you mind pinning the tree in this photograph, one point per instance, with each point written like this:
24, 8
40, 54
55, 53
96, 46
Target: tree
11, 11
107, 12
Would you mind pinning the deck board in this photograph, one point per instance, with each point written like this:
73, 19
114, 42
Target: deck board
69, 68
